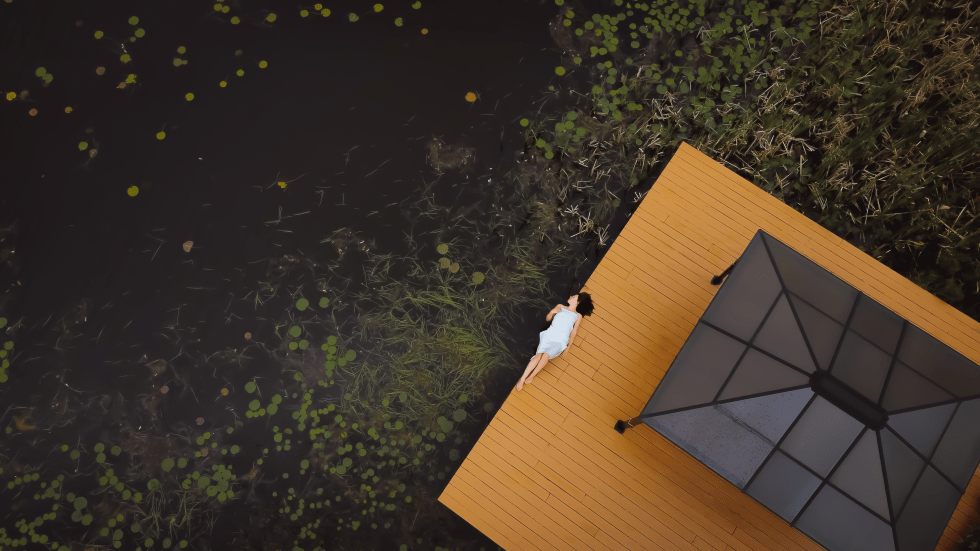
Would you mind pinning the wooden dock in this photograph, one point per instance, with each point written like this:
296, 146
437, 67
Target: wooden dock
550, 472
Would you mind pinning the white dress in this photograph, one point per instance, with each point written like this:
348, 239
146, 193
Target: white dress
554, 340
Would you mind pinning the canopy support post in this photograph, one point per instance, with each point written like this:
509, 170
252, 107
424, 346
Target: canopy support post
621, 426
718, 278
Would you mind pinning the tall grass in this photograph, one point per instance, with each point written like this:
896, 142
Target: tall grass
865, 112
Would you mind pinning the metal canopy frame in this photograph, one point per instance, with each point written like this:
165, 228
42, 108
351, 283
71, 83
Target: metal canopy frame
852, 424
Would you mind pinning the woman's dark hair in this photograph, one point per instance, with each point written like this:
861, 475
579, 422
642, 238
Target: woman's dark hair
585, 306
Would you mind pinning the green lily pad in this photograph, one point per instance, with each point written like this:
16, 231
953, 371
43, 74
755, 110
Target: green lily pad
295, 331
459, 415
324, 301
254, 405
40, 71
250, 387
167, 464
302, 304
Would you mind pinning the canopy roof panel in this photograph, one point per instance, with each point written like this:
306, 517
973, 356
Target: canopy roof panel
852, 424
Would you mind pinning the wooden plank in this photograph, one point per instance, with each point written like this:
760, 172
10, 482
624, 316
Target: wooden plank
746, 195
544, 519
549, 472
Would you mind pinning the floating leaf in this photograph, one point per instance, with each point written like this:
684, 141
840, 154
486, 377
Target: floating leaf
459, 415
417, 5
295, 331
235, 20
270, 18
116, 450
304, 464
153, 484
263, 64
560, 71
134, 20
189, 96
324, 301
181, 463
454, 267
478, 277
304, 13
99, 34
303, 344
463, 398
82, 146
254, 405
124, 58
250, 387
398, 22
240, 72
352, 17
525, 122
443, 248
454, 455
235, 449
40, 71
445, 263
302, 304
140, 33
167, 464
222, 84
161, 135
350, 355
378, 7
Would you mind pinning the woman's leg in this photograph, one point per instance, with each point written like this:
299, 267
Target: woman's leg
530, 367
539, 367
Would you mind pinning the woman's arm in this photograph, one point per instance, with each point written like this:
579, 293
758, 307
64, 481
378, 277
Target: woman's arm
571, 338
553, 311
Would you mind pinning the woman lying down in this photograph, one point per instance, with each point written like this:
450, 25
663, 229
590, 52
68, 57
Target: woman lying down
559, 336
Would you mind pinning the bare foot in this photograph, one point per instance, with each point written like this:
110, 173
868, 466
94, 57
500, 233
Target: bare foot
528, 380
520, 384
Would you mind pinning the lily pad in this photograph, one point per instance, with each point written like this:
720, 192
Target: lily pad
324, 301
250, 387
302, 304
167, 464
295, 331
443, 248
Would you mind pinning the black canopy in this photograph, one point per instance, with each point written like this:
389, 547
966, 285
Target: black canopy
855, 426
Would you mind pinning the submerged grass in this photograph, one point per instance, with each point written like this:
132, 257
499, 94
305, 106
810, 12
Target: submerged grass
439, 334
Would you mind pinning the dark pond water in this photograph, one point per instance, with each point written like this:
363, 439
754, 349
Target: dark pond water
133, 395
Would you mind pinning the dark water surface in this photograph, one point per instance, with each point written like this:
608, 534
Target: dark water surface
99, 290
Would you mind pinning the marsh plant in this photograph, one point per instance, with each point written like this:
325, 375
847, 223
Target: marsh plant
862, 112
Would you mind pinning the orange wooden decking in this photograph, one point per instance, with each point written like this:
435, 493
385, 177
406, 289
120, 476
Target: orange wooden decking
551, 473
